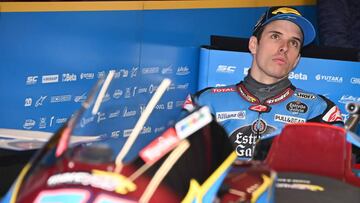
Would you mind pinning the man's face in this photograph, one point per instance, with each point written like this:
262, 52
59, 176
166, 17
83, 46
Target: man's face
277, 52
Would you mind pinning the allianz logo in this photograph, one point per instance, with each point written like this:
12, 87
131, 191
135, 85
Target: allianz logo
225, 69
329, 78
297, 76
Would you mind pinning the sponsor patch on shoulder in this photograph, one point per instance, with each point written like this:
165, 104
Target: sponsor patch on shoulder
224, 89
333, 115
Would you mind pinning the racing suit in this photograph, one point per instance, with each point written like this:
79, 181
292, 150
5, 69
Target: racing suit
247, 113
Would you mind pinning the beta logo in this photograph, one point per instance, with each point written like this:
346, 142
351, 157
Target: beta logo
297, 76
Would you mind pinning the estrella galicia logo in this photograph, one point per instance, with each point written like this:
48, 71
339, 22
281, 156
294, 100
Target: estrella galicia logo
297, 107
244, 138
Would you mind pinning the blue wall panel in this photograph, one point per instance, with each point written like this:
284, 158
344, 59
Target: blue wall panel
50, 60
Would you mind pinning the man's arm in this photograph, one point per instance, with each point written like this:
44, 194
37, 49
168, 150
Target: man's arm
331, 115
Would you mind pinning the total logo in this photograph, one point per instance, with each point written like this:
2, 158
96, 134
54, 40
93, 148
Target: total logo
329, 78
297, 76
225, 69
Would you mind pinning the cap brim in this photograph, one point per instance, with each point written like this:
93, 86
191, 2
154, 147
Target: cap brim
305, 25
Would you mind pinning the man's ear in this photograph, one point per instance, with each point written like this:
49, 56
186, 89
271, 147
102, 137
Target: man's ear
253, 43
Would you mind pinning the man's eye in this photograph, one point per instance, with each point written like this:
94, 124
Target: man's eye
294, 43
275, 36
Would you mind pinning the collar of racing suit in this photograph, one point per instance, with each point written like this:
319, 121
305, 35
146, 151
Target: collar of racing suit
264, 91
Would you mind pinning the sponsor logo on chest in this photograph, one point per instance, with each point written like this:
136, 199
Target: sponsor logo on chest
288, 119
233, 115
297, 107
305, 95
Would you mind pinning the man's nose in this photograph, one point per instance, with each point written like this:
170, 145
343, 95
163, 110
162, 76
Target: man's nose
283, 47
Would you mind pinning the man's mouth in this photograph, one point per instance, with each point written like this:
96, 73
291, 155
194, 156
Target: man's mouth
280, 61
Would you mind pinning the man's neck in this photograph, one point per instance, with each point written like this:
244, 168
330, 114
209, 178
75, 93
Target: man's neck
263, 91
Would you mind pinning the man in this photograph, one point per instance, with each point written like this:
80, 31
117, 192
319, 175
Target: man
266, 100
